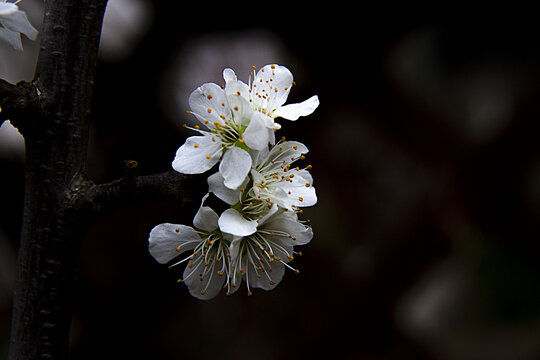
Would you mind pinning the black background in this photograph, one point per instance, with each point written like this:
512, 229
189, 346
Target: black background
426, 162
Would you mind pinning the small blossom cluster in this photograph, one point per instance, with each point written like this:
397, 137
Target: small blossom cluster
259, 181
13, 23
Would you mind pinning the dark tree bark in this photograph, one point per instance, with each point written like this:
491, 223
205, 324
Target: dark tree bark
56, 138
53, 114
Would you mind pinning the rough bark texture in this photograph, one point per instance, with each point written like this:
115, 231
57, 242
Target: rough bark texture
56, 141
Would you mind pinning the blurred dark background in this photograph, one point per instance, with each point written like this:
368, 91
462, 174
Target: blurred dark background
426, 162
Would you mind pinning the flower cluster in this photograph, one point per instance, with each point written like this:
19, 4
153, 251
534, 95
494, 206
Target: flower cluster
259, 181
13, 23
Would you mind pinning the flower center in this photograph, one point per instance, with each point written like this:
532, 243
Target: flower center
256, 257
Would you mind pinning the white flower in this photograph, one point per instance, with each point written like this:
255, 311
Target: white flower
13, 22
208, 263
273, 180
260, 259
268, 93
232, 131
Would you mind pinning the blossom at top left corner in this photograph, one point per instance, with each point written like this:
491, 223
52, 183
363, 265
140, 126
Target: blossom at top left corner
13, 23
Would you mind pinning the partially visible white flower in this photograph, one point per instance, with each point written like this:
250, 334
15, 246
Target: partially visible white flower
268, 93
13, 22
208, 263
273, 180
228, 118
261, 258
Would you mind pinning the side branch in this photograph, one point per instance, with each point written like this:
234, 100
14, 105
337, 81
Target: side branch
131, 189
16, 100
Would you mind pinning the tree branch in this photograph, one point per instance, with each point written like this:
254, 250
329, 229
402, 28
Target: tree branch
17, 102
104, 199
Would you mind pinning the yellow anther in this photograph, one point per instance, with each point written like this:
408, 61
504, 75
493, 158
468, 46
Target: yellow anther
222, 116
177, 230
272, 282
209, 96
302, 157
188, 112
179, 280
280, 147
190, 265
242, 190
291, 258
309, 167
220, 273
208, 156
206, 121
273, 66
293, 83
209, 110
213, 138
236, 108
297, 271
178, 249
308, 184
203, 292
241, 141
197, 127
272, 233
295, 147
250, 293
195, 145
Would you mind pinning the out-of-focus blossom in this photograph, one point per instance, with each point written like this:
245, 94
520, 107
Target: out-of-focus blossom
13, 23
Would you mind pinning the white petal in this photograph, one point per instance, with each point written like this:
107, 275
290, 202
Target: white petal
241, 109
256, 134
294, 111
273, 83
283, 152
167, 241
275, 273
301, 192
229, 75
234, 167
192, 157
202, 280
12, 38
7, 9
230, 196
18, 22
232, 222
237, 87
258, 156
287, 222
206, 219
208, 102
